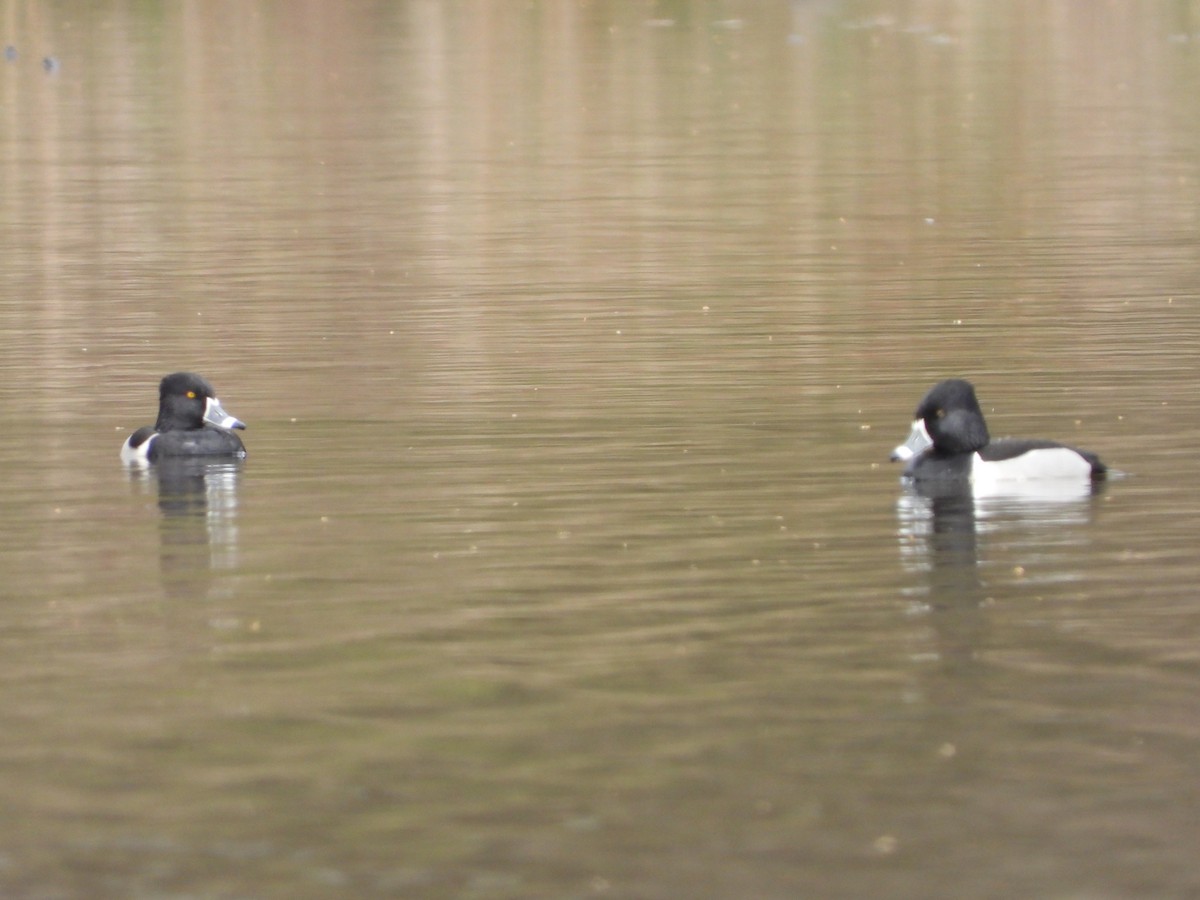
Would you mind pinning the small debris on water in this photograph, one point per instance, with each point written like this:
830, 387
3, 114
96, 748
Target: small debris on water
885, 844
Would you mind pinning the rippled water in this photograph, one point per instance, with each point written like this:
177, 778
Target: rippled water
572, 341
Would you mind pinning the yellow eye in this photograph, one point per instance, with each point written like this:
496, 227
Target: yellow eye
941, 413
191, 395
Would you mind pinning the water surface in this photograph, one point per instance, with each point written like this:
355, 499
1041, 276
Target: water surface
572, 341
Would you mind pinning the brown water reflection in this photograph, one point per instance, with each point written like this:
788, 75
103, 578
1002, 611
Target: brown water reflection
572, 339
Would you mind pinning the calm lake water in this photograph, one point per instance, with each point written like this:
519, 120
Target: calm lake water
572, 338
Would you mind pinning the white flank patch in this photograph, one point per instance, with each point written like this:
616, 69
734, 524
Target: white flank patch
1046, 464
138, 455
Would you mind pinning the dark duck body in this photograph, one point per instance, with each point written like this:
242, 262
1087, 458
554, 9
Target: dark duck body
950, 442
191, 423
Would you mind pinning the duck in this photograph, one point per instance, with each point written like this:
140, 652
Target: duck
191, 423
949, 441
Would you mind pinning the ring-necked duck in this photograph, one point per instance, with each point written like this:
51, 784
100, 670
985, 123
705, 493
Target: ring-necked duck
190, 422
950, 441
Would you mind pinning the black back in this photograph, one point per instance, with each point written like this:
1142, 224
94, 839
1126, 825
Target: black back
205, 441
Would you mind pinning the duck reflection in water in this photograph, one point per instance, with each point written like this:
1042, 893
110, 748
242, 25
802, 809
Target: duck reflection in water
941, 521
198, 529
964, 545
